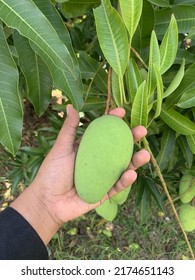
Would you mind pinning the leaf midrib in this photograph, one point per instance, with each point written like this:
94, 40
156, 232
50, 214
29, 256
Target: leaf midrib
38, 35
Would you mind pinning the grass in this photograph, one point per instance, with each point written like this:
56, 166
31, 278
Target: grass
92, 238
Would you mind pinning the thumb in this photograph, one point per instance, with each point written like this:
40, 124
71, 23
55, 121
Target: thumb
67, 134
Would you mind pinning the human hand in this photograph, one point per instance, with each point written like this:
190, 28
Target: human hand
53, 189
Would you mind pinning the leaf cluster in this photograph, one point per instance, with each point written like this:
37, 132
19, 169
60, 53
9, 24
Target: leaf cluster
148, 46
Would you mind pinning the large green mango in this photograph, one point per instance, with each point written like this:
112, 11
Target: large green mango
187, 217
107, 210
121, 197
103, 155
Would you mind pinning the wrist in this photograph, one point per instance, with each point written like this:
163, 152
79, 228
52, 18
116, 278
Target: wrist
30, 204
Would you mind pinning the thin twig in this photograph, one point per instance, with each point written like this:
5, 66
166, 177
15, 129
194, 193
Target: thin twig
168, 195
109, 92
139, 57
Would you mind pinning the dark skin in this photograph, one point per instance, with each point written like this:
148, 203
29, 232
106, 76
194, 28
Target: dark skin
51, 199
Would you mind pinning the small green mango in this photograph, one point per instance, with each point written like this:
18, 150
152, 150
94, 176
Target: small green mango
121, 197
107, 210
186, 188
187, 217
103, 155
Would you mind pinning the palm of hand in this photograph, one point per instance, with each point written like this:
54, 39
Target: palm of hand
56, 175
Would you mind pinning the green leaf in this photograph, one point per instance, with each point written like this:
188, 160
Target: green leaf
145, 205
186, 84
187, 99
159, 82
184, 54
167, 147
184, 15
154, 58
11, 112
75, 8
31, 23
176, 81
168, 47
160, 3
112, 37
92, 69
152, 188
133, 78
131, 11
139, 112
178, 122
48, 9
39, 81
186, 152
182, 2
191, 142
116, 89
141, 38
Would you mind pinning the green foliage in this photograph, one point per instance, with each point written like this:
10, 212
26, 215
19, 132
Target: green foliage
150, 47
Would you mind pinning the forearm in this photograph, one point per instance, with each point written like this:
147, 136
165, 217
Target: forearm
31, 206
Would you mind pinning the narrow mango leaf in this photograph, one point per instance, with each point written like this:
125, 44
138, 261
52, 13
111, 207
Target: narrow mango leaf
48, 9
112, 37
167, 146
145, 205
11, 113
184, 15
186, 152
39, 81
131, 11
178, 122
31, 23
116, 89
93, 103
158, 103
169, 45
154, 58
186, 84
191, 142
92, 69
176, 81
133, 78
152, 188
141, 37
187, 99
139, 112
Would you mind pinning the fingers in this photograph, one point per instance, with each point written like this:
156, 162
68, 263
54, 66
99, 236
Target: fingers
138, 132
139, 159
128, 177
67, 134
119, 112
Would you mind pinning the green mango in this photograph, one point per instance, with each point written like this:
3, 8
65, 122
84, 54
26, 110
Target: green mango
186, 188
187, 217
121, 197
103, 155
107, 210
